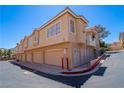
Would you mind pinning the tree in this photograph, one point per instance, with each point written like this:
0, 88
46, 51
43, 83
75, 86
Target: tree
103, 33
9, 53
4, 53
0, 53
103, 44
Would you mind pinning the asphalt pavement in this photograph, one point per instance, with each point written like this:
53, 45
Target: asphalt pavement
109, 75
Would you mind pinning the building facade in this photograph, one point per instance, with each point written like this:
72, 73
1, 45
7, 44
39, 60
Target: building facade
121, 38
115, 46
64, 41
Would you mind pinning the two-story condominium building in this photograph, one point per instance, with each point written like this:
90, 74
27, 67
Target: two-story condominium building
121, 38
62, 41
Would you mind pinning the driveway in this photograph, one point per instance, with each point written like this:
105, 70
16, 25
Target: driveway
110, 74
113, 76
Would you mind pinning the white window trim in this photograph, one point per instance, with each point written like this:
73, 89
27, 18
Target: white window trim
74, 26
56, 34
35, 36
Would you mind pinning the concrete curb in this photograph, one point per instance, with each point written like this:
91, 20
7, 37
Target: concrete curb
88, 69
79, 73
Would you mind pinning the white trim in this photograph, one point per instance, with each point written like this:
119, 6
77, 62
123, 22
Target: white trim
74, 26
36, 34
55, 34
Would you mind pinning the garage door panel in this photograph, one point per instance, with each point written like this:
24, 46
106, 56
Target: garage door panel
29, 59
20, 57
54, 57
76, 57
83, 56
23, 57
38, 57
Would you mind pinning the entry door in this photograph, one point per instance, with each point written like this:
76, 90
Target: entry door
83, 55
76, 57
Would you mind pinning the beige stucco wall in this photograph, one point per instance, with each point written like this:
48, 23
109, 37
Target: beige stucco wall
64, 40
43, 50
61, 37
65, 35
78, 36
86, 53
81, 35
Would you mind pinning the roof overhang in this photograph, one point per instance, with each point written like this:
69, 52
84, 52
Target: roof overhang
66, 10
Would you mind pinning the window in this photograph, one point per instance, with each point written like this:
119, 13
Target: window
93, 37
72, 29
35, 38
48, 33
53, 30
58, 28
22, 47
28, 42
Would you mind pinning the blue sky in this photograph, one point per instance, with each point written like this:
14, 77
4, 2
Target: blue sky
18, 21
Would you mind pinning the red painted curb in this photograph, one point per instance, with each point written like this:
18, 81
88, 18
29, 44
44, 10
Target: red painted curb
88, 69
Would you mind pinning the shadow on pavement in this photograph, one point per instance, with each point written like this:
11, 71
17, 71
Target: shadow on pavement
100, 71
74, 81
107, 56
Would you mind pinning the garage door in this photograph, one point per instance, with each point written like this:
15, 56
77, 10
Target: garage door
76, 57
29, 57
54, 57
23, 57
38, 57
83, 55
20, 57
90, 54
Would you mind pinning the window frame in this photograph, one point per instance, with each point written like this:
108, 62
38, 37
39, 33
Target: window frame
93, 37
53, 26
71, 19
36, 38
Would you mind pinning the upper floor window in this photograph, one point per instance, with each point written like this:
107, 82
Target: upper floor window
93, 37
72, 27
29, 43
53, 30
35, 38
20, 47
58, 28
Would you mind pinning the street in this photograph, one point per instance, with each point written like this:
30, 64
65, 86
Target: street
109, 75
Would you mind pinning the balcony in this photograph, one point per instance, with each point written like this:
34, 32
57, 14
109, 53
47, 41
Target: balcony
91, 41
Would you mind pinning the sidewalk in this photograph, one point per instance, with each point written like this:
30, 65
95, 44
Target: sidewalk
55, 70
40, 67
